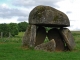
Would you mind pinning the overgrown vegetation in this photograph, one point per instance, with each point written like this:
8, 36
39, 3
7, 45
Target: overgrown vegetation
12, 28
11, 49
22, 26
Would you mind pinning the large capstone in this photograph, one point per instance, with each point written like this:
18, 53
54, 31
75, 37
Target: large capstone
68, 38
48, 16
55, 34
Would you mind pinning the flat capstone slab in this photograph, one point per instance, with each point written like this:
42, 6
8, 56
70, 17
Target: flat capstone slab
48, 16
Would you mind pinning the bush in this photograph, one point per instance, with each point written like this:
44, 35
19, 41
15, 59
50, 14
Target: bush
13, 29
22, 26
5, 29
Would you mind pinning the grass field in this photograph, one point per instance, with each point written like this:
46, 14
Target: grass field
11, 49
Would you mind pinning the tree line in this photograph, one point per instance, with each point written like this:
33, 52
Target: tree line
13, 28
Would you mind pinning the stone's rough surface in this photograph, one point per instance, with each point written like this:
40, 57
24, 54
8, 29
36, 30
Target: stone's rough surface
68, 38
48, 16
40, 35
60, 38
49, 46
29, 36
54, 34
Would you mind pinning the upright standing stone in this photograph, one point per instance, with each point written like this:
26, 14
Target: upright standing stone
54, 34
68, 38
30, 36
40, 35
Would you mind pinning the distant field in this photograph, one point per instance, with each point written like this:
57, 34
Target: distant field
11, 49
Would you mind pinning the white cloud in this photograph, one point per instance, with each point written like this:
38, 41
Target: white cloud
8, 14
14, 20
30, 3
4, 5
71, 6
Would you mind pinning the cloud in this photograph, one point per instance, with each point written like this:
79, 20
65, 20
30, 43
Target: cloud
22, 8
13, 20
68, 12
20, 19
9, 13
31, 3
74, 25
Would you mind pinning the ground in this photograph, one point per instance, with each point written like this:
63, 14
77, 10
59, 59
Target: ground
11, 49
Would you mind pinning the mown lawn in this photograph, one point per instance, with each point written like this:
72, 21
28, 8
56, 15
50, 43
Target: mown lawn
11, 49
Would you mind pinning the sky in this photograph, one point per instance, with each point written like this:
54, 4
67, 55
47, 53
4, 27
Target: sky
18, 10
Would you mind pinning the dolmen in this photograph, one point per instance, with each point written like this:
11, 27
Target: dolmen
60, 37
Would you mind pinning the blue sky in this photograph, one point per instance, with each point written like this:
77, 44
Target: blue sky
18, 10
3, 1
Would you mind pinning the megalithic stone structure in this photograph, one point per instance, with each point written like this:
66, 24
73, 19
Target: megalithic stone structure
40, 35
55, 34
46, 16
49, 46
29, 36
68, 38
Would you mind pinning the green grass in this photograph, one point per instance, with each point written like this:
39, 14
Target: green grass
11, 49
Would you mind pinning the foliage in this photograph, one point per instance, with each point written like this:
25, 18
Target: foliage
22, 26
13, 29
5, 29
16, 39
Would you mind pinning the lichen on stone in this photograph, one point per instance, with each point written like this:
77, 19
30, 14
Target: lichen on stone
39, 12
48, 16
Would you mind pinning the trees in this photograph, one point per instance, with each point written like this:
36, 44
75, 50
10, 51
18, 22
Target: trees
22, 26
4, 28
13, 28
